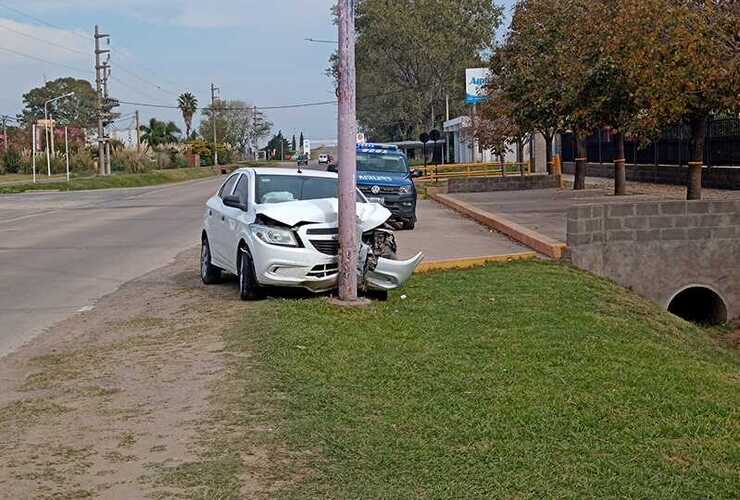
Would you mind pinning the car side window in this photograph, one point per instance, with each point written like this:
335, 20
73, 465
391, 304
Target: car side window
242, 190
228, 186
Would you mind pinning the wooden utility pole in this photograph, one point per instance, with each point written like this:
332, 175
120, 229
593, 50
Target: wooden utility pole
5, 134
347, 153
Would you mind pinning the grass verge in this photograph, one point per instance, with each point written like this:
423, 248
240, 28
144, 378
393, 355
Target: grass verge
152, 178
521, 380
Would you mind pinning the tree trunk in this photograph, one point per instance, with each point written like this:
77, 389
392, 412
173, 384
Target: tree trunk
579, 183
548, 153
698, 135
620, 174
520, 155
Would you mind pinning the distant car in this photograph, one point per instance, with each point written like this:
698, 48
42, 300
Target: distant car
323, 159
302, 160
276, 227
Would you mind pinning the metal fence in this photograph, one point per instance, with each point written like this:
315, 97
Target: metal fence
722, 146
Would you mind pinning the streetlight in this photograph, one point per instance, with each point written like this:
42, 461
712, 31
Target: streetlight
46, 127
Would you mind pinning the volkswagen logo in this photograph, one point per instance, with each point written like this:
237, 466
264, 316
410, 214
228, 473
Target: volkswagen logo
375, 189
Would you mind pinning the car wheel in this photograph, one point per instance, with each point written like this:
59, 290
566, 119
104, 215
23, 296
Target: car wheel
209, 273
249, 288
410, 224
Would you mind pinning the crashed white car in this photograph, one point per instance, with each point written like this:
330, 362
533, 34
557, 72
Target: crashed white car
278, 227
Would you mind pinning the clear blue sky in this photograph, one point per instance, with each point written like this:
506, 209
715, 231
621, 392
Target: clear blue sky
253, 50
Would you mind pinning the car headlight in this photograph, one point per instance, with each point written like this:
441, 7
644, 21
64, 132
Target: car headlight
274, 235
405, 189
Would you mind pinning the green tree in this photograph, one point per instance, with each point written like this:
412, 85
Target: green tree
188, 105
277, 146
300, 142
293, 145
684, 60
411, 54
236, 124
159, 133
77, 110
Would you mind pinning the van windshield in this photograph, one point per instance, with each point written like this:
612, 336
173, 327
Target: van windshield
378, 162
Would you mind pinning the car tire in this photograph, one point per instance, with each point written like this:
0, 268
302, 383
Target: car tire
209, 273
410, 224
249, 288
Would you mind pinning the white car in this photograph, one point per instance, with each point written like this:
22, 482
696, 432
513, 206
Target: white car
323, 159
278, 227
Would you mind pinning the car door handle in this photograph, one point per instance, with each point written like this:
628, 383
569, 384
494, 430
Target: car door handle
210, 212
223, 217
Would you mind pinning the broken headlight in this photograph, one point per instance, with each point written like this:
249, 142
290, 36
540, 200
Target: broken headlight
274, 235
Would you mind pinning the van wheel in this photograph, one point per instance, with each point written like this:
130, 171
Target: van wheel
209, 273
249, 288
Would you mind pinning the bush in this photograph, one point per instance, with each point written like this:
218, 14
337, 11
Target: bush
83, 162
130, 162
10, 162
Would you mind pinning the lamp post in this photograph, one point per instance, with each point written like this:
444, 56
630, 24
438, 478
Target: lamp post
46, 127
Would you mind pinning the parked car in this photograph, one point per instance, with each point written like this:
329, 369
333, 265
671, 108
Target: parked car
323, 159
384, 176
278, 227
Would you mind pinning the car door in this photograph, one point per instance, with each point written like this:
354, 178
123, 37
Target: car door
217, 222
235, 218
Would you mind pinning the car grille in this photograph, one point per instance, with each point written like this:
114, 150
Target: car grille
329, 247
324, 270
323, 231
383, 190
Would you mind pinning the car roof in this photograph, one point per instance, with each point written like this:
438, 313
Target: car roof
288, 171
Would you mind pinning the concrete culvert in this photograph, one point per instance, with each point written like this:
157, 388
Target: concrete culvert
700, 305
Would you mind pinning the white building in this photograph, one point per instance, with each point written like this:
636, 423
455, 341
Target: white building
463, 149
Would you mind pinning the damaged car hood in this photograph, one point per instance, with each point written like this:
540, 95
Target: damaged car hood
324, 211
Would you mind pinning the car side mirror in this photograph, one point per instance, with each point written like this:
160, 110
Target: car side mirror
234, 202
416, 173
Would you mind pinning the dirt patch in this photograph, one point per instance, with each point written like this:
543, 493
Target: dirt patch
130, 400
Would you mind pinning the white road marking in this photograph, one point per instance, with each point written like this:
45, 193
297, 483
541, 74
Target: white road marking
85, 309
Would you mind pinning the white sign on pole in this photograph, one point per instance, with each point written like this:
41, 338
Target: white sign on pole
475, 82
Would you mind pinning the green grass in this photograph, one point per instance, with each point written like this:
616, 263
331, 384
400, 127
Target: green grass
152, 178
524, 380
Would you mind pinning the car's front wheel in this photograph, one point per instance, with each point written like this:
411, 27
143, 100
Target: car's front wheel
209, 273
410, 224
249, 288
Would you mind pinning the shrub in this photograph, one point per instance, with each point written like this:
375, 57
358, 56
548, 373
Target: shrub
82, 162
10, 162
130, 162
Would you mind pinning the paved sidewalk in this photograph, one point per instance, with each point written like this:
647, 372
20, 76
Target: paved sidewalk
443, 234
543, 210
668, 191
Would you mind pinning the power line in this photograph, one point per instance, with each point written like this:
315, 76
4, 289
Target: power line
30, 16
21, 54
286, 106
44, 41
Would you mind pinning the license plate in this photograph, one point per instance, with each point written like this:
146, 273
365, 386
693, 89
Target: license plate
380, 201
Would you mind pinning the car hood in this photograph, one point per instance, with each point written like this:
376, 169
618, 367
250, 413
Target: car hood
326, 211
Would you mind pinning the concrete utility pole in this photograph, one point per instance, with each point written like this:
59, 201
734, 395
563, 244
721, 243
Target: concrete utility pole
138, 133
347, 153
33, 150
66, 151
214, 97
106, 74
99, 105
5, 134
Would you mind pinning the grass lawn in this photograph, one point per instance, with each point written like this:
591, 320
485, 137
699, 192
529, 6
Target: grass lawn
152, 178
521, 380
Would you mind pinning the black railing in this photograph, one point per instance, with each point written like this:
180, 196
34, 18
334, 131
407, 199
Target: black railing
722, 146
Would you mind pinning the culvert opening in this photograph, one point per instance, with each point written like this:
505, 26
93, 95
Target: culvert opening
699, 305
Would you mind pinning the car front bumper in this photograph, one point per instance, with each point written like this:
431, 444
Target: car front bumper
318, 272
401, 206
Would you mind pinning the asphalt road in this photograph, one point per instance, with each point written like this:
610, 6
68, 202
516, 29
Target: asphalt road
60, 252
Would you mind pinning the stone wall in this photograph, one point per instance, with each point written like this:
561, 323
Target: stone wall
714, 177
507, 183
660, 248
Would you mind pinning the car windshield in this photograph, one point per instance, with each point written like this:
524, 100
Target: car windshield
284, 188
378, 162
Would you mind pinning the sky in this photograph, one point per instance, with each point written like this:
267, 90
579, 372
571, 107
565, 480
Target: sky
253, 50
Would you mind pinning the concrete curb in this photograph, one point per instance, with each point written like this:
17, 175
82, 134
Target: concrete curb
534, 240
468, 262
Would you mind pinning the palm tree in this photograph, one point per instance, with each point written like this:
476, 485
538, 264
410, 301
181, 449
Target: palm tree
188, 105
159, 133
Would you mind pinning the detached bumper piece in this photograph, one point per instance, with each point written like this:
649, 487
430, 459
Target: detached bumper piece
391, 274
